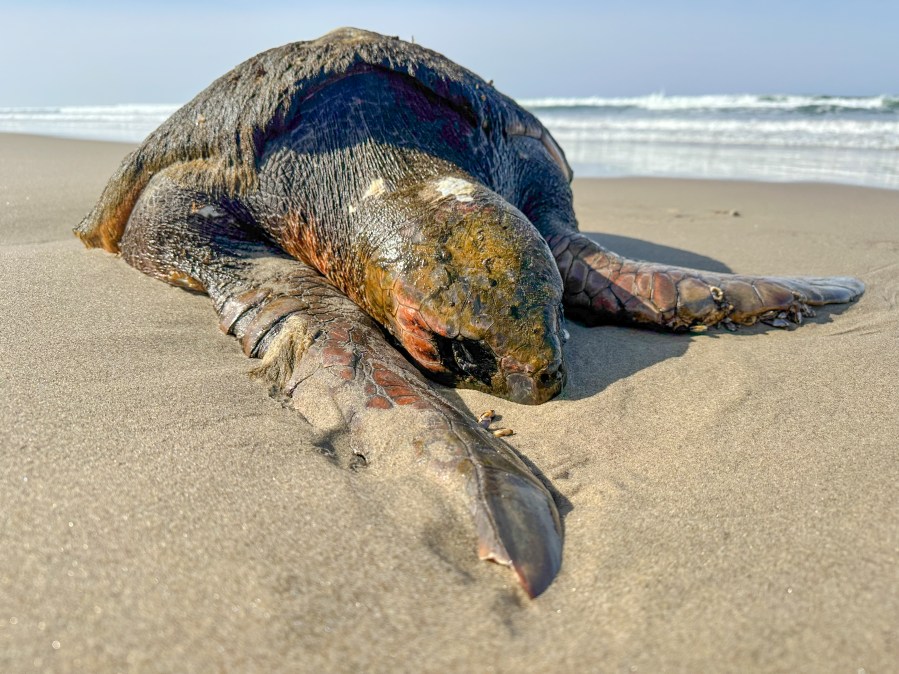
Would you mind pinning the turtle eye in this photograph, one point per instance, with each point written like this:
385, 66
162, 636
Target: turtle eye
475, 358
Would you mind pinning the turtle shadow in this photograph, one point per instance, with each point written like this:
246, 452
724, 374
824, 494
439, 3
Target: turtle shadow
599, 356
639, 249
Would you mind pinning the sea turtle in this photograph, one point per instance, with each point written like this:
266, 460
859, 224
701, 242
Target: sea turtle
362, 210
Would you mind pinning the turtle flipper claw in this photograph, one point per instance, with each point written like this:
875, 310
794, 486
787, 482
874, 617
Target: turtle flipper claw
820, 290
781, 302
518, 526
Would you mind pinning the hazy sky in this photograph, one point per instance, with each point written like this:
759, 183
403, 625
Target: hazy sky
103, 52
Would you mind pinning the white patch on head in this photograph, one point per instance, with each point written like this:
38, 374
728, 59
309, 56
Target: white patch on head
210, 212
376, 189
456, 187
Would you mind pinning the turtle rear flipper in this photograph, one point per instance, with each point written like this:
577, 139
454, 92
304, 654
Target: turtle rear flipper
334, 365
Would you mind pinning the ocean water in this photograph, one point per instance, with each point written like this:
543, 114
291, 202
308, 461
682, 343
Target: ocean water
852, 140
773, 138
126, 123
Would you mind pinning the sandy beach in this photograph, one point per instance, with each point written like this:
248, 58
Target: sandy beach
730, 501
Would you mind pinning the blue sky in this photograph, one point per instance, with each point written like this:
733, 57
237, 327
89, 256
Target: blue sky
102, 52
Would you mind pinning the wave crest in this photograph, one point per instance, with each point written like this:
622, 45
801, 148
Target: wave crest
723, 103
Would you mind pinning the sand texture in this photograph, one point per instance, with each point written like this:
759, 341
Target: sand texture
730, 501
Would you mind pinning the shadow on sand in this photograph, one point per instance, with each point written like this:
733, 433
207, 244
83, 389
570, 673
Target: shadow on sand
599, 356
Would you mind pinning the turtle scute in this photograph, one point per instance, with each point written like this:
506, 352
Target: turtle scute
475, 297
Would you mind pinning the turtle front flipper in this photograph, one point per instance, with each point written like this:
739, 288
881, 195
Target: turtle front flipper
325, 354
602, 287
335, 366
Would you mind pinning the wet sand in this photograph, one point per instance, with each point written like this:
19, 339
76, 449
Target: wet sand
729, 500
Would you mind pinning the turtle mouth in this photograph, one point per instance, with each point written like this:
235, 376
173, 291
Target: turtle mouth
472, 363
535, 390
468, 360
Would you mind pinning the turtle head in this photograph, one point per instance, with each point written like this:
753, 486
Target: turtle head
471, 291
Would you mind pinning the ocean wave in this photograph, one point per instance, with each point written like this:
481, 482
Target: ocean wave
722, 103
91, 113
758, 137
126, 122
807, 132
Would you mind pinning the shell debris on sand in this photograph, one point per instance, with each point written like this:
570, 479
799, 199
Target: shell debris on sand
486, 418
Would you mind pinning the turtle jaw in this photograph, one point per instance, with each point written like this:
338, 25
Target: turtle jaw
468, 363
533, 388
522, 363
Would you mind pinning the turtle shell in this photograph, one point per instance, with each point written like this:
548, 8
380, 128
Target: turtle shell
227, 125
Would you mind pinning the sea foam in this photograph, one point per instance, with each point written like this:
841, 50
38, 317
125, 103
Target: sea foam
775, 137
660, 101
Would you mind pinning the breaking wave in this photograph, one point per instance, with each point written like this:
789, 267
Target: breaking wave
804, 105
776, 137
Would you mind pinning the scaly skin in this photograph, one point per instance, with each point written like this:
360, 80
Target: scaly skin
319, 349
602, 287
322, 192
449, 267
478, 279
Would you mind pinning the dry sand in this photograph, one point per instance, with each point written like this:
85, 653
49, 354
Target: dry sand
731, 498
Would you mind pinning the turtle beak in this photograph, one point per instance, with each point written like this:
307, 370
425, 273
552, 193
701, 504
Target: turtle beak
533, 389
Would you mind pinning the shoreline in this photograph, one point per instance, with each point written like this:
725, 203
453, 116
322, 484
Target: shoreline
133, 145
729, 500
